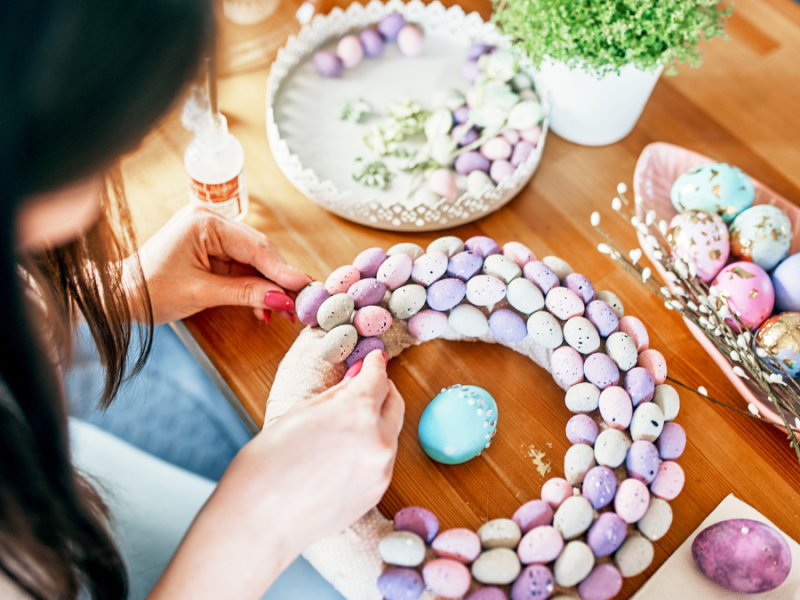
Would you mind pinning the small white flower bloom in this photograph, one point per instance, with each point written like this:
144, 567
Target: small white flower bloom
621, 188
775, 378
668, 305
703, 309
646, 274
741, 341
651, 239
718, 332
638, 200
642, 228
702, 391
635, 255
753, 409
691, 305
663, 227
665, 292
713, 291
635, 221
797, 422
745, 333
679, 291
761, 353
657, 254
740, 372
704, 322
676, 305
650, 218
670, 276
604, 248
735, 356
595, 218
692, 269
616, 204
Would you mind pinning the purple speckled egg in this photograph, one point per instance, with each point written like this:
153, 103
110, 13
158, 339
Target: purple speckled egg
564, 303
642, 461
460, 115
581, 285
636, 331
464, 265
581, 429
482, 246
743, 556
601, 370
373, 43
534, 583
671, 442
701, 238
616, 407
632, 500
417, 520
341, 279
363, 348
640, 385
501, 170
487, 593
390, 26
606, 534
512, 135
367, 292
395, 271
309, 305
447, 578
471, 161
603, 317
567, 365
483, 290
427, 324
540, 545
522, 152
507, 325
372, 321
459, 544
749, 291
477, 49
446, 293
599, 486
328, 64
540, 274
555, 490
465, 135
519, 253
533, 514
369, 261
603, 583
399, 583
429, 267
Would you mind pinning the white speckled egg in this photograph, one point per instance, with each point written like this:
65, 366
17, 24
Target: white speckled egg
395, 270
449, 244
634, 556
611, 448
499, 533
717, 187
413, 250
524, 295
613, 301
761, 234
582, 335
485, 290
406, 301
647, 422
469, 321
573, 517
429, 267
622, 350
545, 330
583, 397
427, 324
559, 266
656, 521
335, 311
338, 343
577, 462
498, 566
501, 267
574, 564
667, 399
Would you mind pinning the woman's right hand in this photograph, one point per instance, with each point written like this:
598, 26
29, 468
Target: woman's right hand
307, 475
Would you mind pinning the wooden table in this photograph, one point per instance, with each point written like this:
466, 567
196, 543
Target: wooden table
742, 107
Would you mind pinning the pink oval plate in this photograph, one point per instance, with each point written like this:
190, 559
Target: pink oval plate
658, 167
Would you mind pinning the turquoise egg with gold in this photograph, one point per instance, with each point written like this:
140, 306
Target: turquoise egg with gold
718, 188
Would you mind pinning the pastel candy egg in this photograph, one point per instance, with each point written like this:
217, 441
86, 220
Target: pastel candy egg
786, 284
647, 422
512, 135
501, 170
669, 481
531, 135
429, 267
545, 330
743, 556
501, 267
450, 245
482, 246
671, 442
581, 429
581, 335
446, 293
390, 25
373, 43
603, 583
335, 311
499, 533
632, 500
350, 50
484, 290
559, 266
413, 251
496, 148
718, 188
535, 582
302, 293
477, 49
636, 331
402, 548
417, 520
363, 348
407, 301
653, 361
583, 397
522, 151
410, 40
667, 399
656, 521
574, 564
554, 491
498, 566
578, 460
464, 265
564, 303
606, 534
540, 545
395, 271
507, 325
341, 279
581, 286
602, 317
599, 487
519, 253
477, 182
749, 291
701, 239
640, 385
779, 339
460, 115
470, 161
600, 370
524, 296
460, 544
458, 424
328, 64
642, 461
622, 350
464, 136
634, 556
446, 578
610, 448
534, 513
443, 182
487, 593
613, 301
400, 583
761, 234
567, 366
308, 304
427, 325
468, 321
338, 343
369, 261
540, 274
372, 321
367, 292
573, 517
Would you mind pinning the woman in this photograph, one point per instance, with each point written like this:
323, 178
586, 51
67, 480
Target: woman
81, 83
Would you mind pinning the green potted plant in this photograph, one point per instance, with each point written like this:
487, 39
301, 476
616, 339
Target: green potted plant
600, 59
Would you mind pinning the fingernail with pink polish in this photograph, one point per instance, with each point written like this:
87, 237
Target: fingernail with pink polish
278, 301
354, 370
267, 316
385, 358
293, 318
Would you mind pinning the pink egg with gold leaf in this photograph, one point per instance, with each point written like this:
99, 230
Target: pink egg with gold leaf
749, 293
700, 238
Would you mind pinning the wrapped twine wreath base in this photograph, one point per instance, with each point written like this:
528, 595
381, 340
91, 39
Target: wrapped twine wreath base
350, 560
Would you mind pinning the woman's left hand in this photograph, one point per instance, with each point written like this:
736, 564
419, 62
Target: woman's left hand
200, 259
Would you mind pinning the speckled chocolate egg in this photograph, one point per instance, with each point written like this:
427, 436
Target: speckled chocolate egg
446, 293
487, 593
363, 348
464, 265
507, 325
449, 244
615, 407
654, 361
634, 556
390, 25
338, 343
567, 365
761, 234
787, 285
632, 500
524, 296
501, 267
485, 290
499, 533
522, 152
469, 161
427, 324
540, 274
335, 311
555, 490
636, 331
328, 64
458, 424
779, 338
700, 238
640, 385
406, 301
429, 267
341, 279
559, 266
656, 521
603, 583
482, 246
602, 317
417, 520
581, 285
533, 513
642, 461
369, 261
469, 321
372, 321
581, 429
446, 578
672, 441
748, 290
606, 534
534, 583
411, 41
622, 350
402, 548
498, 566
350, 50
367, 292
414, 251
396, 270
581, 335
611, 448
718, 188
564, 303
583, 397
308, 303
578, 461
599, 486
540, 545
519, 253
459, 544
400, 583
600, 370
373, 43
669, 481
613, 301
647, 422
667, 399
574, 564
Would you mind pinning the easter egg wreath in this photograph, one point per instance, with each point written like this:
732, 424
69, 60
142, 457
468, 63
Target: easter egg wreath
589, 529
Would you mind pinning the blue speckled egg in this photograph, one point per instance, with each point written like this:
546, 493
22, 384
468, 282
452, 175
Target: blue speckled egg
717, 187
779, 337
761, 234
458, 424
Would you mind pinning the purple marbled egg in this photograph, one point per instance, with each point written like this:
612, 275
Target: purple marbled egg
373, 43
311, 301
603, 583
328, 64
640, 385
363, 348
369, 261
642, 461
671, 442
540, 274
567, 365
464, 265
507, 325
603, 317
417, 520
601, 370
446, 293
400, 583
581, 285
534, 583
743, 556
482, 246
390, 26
606, 534
581, 429
484, 290
367, 292
533, 514
471, 161
599, 487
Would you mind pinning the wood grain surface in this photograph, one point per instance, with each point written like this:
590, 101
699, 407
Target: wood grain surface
742, 107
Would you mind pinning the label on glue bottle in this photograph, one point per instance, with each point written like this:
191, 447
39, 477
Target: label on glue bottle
228, 199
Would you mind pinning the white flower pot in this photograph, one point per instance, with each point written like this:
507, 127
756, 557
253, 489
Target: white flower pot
595, 111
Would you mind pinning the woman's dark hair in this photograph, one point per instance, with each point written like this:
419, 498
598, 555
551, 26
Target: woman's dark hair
81, 83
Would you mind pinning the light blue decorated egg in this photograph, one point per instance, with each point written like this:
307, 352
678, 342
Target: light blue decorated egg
717, 187
761, 234
458, 424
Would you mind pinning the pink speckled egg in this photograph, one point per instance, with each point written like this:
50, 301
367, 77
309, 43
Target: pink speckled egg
519, 253
654, 361
632, 500
567, 365
417, 520
372, 321
536, 512
669, 481
600, 370
483, 290
487, 593
444, 577
616, 407
749, 291
581, 429
540, 274
555, 490
341, 279
603, 583
395, 271
531, 135
462, 545
700, 238
671, 442
642, 461
564, 303
429, 267
369, 261
427, 324
482, 246
512, 135
496, 148
602, 317
410, 41
350, 50
522, 152
581, 285
540, 545
443, 182
636, 331
501, 170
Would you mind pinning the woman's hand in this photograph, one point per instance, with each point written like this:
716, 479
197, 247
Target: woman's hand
307, 475
200, 259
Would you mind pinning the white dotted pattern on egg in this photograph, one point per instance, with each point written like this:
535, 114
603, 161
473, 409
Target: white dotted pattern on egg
647, 422
450, 245
613, 301
525, 296
338, 343
583, 397
610, 448
485, 290
501, 267
622, 350
406, 301
577, 462
559, 266
545, 330
573, 517
657, 520
469, 321
582, 335
573, 565
412, 250
335, 311
429, 268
